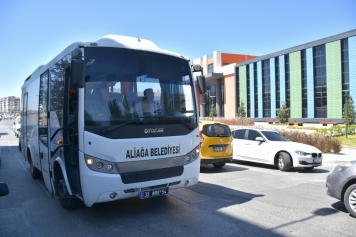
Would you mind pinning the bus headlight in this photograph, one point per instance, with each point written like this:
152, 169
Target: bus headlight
192, 155
97, 164
90, 161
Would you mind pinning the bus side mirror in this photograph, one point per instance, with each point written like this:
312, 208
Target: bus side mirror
196, 68
201, 84
4, 190
77, 73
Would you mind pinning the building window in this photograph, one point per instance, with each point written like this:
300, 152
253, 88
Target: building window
248, 105
304, 84
287, 78
266, 89
345, 69
320, 101
277, 83
211, 68
255, 81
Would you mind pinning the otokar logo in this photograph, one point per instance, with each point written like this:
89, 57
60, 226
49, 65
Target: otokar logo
153, 130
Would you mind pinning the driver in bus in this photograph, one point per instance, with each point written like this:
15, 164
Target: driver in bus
148, 107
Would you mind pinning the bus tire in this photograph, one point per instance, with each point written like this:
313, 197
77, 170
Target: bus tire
35, 173
67, 201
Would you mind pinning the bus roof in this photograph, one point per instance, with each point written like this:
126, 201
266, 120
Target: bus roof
115, 41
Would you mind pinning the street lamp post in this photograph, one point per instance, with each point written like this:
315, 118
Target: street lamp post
11, 109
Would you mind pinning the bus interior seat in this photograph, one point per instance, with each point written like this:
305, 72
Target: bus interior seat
129, 99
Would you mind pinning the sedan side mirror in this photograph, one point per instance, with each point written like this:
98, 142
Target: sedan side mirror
260, 139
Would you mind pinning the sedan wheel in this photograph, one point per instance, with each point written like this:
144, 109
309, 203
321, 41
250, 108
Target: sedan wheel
284, 161
350, 200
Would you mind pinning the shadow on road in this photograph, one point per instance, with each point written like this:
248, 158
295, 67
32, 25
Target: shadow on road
210, 169
273, 167
340, 206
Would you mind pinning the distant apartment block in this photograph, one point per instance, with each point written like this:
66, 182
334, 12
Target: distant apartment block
10, 104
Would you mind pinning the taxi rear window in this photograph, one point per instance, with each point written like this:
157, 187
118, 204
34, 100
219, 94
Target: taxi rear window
216, 130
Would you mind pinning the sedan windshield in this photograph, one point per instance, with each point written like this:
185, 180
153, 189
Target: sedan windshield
274, 136
135, 87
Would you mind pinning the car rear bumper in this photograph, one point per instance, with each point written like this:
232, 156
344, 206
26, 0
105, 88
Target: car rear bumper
213, 161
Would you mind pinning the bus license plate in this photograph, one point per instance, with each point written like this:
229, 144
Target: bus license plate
219, 148
153, 193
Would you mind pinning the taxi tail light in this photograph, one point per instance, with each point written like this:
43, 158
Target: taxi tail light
201, 137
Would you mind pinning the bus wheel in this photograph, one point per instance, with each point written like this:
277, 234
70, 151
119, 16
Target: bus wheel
35, 173
67, 202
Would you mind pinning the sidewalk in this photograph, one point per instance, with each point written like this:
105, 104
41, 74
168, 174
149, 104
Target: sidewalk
347, 153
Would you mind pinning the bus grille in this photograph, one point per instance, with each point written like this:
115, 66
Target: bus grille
149, 175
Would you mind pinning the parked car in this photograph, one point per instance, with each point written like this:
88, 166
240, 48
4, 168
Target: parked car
341, 184
270, 147
215, 145
17, 126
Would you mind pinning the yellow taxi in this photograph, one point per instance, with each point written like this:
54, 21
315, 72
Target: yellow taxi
215, 143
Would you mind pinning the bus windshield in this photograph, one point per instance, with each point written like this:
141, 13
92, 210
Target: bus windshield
126, 86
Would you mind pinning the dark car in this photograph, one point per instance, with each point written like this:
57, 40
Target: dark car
341, 184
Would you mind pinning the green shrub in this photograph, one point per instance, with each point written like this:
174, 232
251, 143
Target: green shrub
213, 111
337, 130
232, 121
241, 112
325, 144
283, 113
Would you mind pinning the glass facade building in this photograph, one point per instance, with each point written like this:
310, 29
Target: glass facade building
313, 80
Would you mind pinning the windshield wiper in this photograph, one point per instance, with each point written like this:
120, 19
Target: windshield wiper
184, 122
105, 131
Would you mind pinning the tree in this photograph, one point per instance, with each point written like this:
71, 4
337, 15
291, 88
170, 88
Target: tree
213, 111
241, 112
351, 113
283, 113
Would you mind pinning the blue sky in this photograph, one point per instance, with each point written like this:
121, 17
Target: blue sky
34, 32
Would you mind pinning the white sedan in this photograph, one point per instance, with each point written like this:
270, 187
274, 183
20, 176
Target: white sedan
270, 147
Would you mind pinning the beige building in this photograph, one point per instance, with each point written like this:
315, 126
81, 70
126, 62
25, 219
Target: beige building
219, 71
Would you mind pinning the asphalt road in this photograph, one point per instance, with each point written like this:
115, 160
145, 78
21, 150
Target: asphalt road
241, 199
